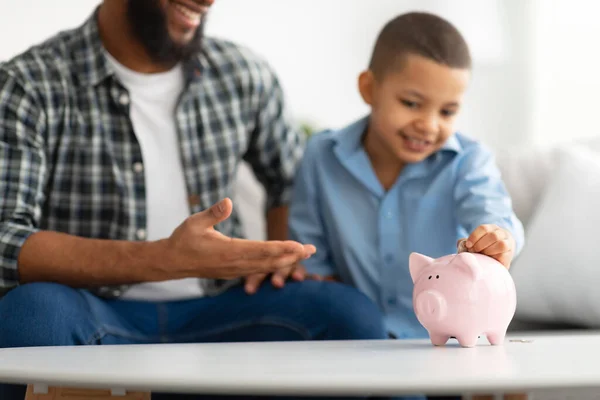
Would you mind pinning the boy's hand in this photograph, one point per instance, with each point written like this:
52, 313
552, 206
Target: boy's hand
492, 241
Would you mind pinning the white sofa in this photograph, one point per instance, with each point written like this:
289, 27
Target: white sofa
528, 174
556, 194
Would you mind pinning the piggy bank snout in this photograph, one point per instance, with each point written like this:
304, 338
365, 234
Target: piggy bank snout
431, 306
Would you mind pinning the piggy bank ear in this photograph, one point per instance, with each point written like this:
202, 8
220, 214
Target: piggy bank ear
468, 263
416, 263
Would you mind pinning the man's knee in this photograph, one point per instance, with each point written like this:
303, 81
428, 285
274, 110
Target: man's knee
350, 314
41, 314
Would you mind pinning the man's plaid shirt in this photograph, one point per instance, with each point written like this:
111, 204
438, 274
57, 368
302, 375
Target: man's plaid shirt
70, 161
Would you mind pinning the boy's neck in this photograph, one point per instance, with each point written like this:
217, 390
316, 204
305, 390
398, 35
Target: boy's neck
386, 165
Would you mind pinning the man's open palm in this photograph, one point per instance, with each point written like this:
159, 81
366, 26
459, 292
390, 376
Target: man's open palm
196, 245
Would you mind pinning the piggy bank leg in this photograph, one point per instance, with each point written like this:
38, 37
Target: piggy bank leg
438, 339
467, 340
496, 338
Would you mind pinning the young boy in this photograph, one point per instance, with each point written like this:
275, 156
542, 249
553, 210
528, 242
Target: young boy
400, 180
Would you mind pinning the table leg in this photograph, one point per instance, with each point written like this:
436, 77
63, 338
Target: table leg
61, 393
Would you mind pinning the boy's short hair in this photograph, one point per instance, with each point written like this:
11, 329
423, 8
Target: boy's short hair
422, 34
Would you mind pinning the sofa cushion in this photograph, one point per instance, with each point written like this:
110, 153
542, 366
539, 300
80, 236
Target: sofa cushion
558, 272
525, 172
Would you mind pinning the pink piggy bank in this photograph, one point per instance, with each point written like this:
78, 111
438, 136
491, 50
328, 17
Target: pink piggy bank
463, 296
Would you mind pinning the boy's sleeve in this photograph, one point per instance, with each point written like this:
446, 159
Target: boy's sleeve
305, 219
482, 198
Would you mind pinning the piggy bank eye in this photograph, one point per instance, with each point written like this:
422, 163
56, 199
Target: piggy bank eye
437, 277
430, 277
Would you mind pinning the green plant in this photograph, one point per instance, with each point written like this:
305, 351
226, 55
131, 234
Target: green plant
307, 128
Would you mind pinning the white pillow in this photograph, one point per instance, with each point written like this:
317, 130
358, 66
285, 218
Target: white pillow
526, 171
557, 274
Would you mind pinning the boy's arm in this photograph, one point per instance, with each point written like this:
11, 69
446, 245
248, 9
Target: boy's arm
305, 219
483, 203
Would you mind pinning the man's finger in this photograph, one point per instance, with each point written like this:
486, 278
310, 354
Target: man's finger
280, 276
253, 282
212, 216
315, 277
268, 266
242, 249
299, 273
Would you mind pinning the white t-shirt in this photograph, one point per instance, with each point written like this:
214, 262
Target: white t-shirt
153, 98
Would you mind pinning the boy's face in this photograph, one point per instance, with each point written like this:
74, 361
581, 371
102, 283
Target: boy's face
413, 109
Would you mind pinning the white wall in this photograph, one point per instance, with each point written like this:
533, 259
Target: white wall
319, 47
566, 61
25, 22
535, 78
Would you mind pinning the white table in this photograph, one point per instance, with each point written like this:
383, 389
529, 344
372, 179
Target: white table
316, 368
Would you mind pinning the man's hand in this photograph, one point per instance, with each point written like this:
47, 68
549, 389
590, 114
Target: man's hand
198, 250
295, 272
492, 241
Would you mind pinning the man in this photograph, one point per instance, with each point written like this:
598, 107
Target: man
119, 142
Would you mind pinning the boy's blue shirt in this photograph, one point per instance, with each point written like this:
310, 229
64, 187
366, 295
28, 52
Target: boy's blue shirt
365, 235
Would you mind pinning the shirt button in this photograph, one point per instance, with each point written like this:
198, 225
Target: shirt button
138, 167
389, 258
389, 215
124, 99
391, 301
141, 234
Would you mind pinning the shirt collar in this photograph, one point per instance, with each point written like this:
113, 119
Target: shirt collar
351, 154
90, 60
452, 144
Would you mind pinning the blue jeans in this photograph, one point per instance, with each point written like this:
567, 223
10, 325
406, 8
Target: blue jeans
46, 314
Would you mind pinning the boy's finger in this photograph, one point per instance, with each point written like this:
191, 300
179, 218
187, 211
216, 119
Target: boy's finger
497, 248
504, 259
487, 240
477, 234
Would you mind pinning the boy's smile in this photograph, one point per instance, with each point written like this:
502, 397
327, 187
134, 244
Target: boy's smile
413, 111
415, 144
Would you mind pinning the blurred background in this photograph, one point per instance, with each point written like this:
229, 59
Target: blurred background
535, 88
536, 76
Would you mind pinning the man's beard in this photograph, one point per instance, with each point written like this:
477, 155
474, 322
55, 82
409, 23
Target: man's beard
149, 24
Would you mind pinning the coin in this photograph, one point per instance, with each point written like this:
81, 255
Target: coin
520, 340
462, 246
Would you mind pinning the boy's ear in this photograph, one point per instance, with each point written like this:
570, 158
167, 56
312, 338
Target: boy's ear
365, 86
